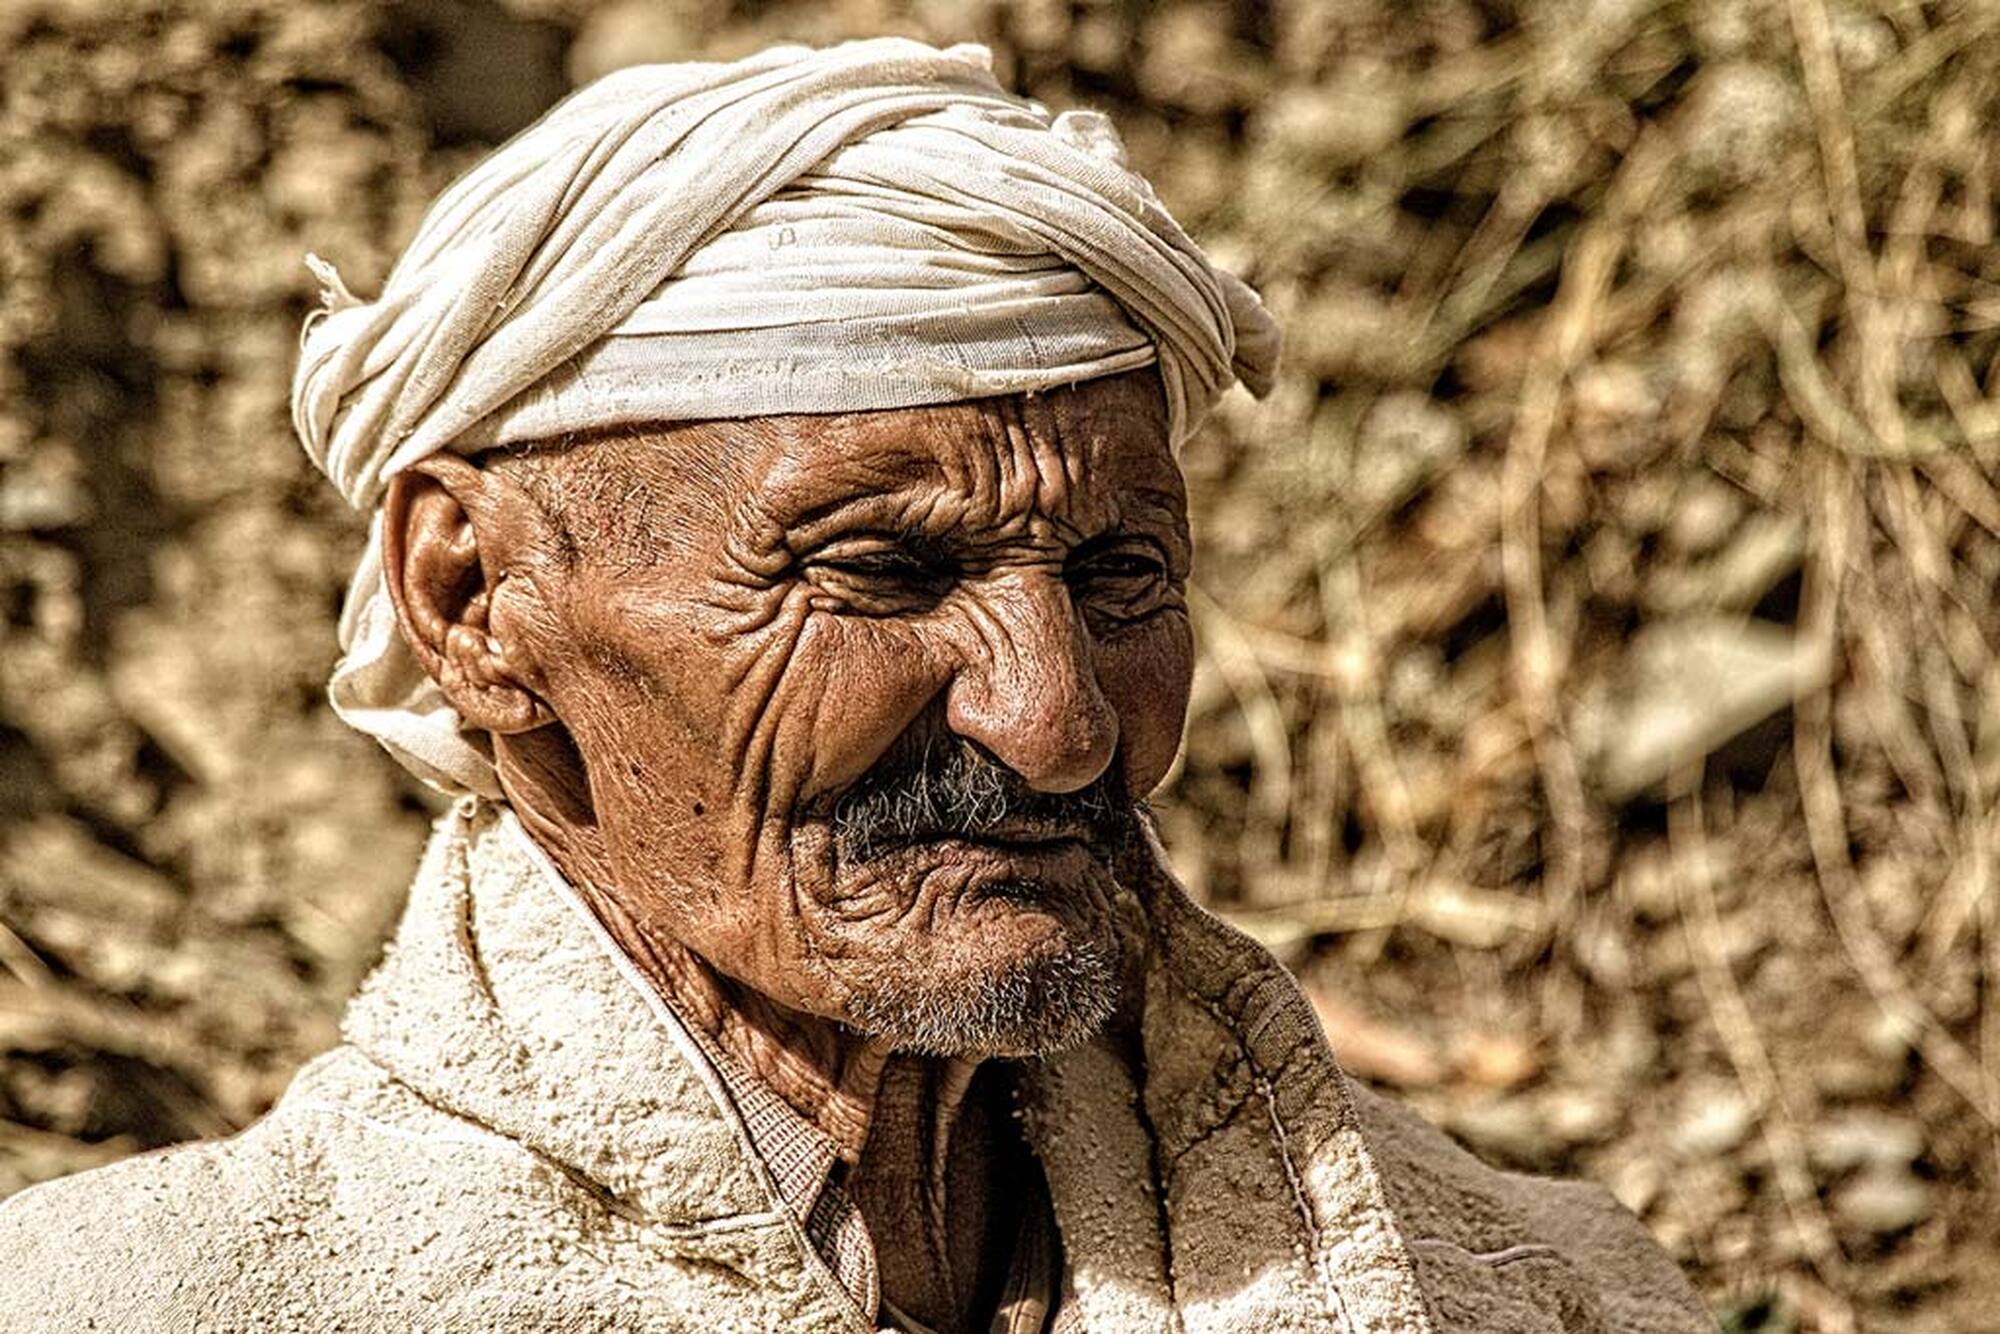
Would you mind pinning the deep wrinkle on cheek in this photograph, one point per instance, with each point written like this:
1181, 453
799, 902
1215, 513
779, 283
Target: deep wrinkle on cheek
761, 696
639, 638
784, 731
868, 679
1146, 671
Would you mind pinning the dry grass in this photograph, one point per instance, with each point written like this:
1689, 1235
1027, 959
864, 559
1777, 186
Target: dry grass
1598, 702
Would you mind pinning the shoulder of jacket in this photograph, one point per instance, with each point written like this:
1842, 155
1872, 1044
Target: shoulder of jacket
346, 1188
1483, 1238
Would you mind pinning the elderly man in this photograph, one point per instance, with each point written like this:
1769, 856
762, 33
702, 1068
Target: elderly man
778, 548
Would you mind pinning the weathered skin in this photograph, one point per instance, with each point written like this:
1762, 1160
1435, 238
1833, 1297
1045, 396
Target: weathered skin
703, 653
689, 642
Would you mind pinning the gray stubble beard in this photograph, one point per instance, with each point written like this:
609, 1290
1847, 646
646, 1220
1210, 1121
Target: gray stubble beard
1033, 1006
1037, 1006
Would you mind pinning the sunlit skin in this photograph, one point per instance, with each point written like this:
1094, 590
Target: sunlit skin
688, 641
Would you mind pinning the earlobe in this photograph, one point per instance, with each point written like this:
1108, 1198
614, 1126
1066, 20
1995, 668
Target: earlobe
438, 578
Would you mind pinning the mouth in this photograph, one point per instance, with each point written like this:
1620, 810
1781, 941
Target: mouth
1021, 838
1036, 852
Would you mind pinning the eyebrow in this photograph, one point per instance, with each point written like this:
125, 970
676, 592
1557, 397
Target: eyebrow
880, 510
874, 489
1149, 513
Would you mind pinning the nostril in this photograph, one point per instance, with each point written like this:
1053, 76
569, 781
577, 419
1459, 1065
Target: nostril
1084, 739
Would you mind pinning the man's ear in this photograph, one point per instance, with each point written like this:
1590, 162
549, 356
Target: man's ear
447, 528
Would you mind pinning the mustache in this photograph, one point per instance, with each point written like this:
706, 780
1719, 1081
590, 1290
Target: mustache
947, 787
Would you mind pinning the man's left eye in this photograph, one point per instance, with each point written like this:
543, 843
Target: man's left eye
1122, 583
1123, 565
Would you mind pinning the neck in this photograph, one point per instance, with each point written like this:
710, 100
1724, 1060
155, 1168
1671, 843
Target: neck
905, 1127
831, 1076
921, 1156
827, 1073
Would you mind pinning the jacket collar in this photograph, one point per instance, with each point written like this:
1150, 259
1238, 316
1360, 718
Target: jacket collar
1205, 1160
1210, 1164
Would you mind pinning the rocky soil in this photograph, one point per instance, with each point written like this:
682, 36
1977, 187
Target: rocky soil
1598, 700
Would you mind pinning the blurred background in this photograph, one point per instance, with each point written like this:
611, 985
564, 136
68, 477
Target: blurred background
1598, 703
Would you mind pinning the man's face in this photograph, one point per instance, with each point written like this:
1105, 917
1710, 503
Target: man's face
865, 700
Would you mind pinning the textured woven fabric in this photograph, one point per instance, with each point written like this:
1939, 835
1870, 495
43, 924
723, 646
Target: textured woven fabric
801, 1159
518, 1136
874, 225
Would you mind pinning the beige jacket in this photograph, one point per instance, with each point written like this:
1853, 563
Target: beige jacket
518, 1136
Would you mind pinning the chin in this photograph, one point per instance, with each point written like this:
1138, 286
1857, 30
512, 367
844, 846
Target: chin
1026, 970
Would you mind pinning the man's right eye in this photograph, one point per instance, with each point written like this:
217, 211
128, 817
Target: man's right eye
876, 565
878, 576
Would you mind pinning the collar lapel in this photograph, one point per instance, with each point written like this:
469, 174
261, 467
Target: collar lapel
1210, 1173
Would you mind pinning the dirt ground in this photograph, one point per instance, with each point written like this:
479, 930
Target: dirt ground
1598, 701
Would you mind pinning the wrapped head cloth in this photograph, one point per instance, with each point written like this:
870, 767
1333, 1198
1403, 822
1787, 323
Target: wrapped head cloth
876, 225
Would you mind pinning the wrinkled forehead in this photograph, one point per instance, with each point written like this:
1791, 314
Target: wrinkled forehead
1087, 445
1081, 460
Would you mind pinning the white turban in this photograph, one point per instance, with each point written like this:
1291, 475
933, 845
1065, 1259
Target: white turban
876, 225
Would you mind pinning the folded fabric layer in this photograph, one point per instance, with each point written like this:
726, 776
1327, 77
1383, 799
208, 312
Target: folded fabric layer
875, 225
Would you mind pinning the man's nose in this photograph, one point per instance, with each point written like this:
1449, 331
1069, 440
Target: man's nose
1028, 690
